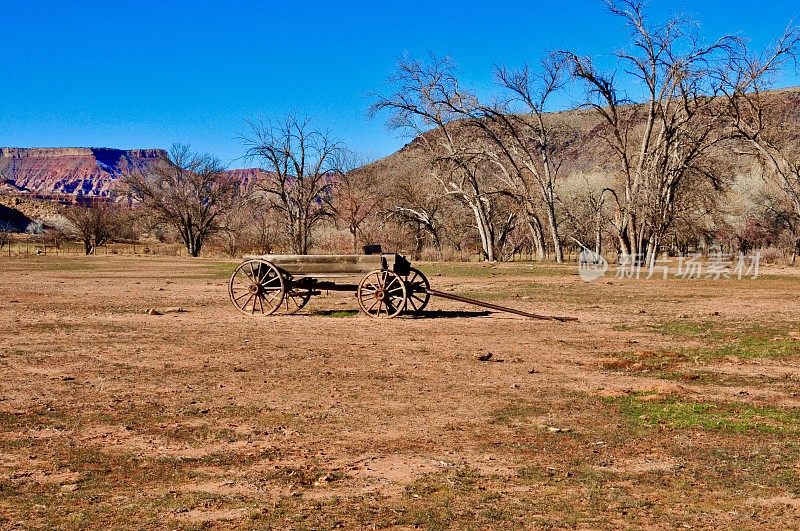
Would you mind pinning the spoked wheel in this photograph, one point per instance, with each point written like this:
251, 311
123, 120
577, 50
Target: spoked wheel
256, 287
296, 297
417, 286
382, 293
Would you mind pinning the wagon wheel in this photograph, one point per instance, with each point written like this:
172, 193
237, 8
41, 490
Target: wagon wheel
296, 297
417, 286
256, 287
382, 293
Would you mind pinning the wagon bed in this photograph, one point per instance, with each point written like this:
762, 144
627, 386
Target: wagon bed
333, 266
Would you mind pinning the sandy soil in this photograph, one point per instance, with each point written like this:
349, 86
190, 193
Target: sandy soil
670, 403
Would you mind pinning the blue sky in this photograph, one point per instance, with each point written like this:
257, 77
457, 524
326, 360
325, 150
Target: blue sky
148, 74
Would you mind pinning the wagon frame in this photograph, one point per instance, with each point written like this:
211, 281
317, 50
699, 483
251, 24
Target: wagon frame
389, 285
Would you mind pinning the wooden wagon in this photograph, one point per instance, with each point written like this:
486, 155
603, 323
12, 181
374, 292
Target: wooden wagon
388, 285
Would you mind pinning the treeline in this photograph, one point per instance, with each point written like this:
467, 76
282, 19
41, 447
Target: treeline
677, 130
679, 145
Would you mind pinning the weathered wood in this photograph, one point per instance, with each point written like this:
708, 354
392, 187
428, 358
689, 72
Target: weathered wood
321, 265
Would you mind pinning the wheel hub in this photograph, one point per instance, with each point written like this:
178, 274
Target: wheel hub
380, 294
255, 289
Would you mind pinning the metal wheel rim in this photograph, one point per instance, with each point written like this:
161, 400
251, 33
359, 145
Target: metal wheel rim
382, 294
417, 291
256, 287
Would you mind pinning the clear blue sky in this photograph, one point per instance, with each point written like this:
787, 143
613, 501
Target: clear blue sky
148, 74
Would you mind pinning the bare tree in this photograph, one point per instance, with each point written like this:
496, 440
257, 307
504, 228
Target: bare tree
416, 204
267, 231
357, 197
94, 224
236, 226
185, 191
430, 104
766, 127
660, 139
523, 145
587, 215
301, 164
784, 218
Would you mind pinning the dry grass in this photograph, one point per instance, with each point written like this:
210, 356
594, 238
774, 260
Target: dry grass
636, 416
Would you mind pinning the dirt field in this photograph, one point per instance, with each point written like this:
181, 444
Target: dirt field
669, 404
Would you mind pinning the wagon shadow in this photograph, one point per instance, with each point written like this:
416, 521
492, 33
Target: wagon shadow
334, 313
448, 314
432, 314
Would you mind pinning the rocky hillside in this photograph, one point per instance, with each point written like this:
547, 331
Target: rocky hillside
59, 173
69, 171
586, 153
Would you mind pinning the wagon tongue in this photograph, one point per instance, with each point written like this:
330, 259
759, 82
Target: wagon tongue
491, 306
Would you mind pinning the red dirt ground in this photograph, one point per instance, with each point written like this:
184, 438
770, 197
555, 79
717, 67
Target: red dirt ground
669, 404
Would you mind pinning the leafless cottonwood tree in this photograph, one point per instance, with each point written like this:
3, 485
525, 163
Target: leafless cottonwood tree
428, 102
94, 224
587, 216
418, 204
661, 138
766, 127
520, 141
302, 165
185, 191
237, 224
776, 210
357, 196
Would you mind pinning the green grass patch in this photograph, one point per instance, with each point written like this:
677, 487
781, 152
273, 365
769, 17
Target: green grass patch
676, 413
685, 329
220, 270
336, 313
704, 342
754, 346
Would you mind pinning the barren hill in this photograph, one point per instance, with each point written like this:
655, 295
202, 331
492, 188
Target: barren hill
69, 171
587, 152
56, 173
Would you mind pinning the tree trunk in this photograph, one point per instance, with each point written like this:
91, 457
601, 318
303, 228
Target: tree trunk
553, 225
354, 234
598, 233
418, 243
437, 243
626, 242
537, 235
652, 251
190, 248
484, 230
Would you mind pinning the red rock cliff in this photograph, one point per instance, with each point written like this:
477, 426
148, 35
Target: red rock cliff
69, 171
